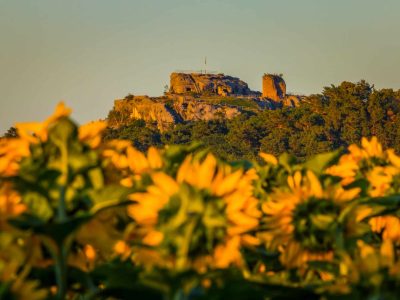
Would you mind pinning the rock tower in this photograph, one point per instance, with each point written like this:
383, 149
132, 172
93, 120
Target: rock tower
273, 87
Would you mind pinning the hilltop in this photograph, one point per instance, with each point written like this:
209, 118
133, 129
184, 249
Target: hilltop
236, 123
202, 96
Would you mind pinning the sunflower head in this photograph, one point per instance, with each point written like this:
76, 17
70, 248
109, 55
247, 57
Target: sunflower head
35, 132
380, 167
302, 220
128, 162
315, 223
91, 133
200, 217
374, 270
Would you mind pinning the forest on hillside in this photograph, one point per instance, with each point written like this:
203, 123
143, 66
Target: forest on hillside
334, 119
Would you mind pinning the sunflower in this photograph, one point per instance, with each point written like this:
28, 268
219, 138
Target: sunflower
388, 226
91, 133
370, 161
10, 203
382, 170
374, 270
199, 218
357, 159
302, 220
131, 162
12, 150
381, 179
35, 132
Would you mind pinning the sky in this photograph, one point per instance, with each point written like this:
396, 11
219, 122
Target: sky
90, 52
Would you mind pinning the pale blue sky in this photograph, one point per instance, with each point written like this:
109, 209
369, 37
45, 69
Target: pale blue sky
90, 52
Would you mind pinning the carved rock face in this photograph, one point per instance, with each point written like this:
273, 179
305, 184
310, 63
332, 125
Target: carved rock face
274, 87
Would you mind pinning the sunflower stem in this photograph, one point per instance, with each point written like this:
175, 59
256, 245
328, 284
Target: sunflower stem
61, 272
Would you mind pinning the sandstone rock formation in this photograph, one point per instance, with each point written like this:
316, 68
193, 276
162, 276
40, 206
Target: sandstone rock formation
291, 101
273, 87
181, 83
164, 112
194, 110
197, 96
219, 84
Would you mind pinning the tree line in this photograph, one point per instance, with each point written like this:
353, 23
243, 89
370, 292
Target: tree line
333, 119
336, 118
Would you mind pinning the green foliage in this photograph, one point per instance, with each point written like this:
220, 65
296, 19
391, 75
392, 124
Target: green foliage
10, 133
338, 117
142, 135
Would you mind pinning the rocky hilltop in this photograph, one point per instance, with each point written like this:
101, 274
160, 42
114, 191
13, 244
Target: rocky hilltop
218, 84
198, 96
164, 112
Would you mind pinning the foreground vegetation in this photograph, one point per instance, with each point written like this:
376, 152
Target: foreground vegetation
336, 118
84, 218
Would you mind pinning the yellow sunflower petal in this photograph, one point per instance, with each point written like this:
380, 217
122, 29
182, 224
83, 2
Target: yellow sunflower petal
154, 158
347, 195
393, 158
153, 238
225, 255
269, 158
206, 172
91, 132
228, 183
137, 160
184, 169
315, 185
166, 183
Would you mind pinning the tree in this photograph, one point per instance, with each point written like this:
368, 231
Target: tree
141, 135
11, 133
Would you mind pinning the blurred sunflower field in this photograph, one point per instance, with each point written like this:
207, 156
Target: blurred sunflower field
84, 218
